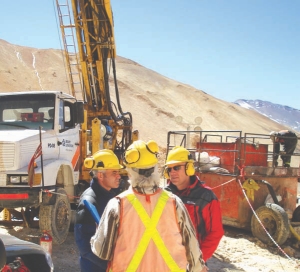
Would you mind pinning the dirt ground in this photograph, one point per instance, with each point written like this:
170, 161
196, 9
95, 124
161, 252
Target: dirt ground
238, 251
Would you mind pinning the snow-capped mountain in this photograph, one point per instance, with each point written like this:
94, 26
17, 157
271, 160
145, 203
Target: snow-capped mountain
284, 115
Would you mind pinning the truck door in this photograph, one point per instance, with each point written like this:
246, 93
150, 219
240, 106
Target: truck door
68, 136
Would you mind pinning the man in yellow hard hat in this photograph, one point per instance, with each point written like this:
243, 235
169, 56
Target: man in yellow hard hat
146, 228
105, 168
200, 201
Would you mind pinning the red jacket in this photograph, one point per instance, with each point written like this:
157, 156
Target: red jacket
205, 212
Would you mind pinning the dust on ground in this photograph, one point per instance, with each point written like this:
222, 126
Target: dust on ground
237, 251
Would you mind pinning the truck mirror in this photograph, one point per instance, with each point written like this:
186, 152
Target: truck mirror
79, 116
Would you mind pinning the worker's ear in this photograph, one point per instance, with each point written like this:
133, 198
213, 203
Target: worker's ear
100, 174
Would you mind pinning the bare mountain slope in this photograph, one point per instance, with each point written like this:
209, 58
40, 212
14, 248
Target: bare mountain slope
28, 69
279, 113
153, 100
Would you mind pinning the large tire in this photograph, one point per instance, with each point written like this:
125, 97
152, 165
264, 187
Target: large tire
56, 218
276, 222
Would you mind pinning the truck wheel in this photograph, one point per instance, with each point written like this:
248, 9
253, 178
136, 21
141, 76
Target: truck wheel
275, 221
56, 218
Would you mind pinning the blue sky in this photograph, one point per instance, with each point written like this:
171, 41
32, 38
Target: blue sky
231, 49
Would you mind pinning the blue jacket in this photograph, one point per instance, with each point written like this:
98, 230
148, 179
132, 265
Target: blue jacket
85, 226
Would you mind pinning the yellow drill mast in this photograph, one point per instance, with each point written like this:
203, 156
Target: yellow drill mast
106, 125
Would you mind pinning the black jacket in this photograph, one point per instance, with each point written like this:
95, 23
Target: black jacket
96, 195
289, 141
85, 226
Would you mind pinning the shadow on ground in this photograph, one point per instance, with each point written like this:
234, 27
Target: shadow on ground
216, 265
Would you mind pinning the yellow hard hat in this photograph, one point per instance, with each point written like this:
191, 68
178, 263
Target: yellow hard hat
179, 154
102, 160
141, 155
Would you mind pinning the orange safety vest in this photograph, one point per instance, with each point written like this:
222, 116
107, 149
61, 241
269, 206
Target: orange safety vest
149, 237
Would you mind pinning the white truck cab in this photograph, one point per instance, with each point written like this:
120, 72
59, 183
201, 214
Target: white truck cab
27, 119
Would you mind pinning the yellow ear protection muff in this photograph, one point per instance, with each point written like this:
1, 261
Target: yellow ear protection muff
190, 169
166, 173
131, 156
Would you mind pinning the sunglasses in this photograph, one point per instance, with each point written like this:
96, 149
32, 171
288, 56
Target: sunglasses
175, 168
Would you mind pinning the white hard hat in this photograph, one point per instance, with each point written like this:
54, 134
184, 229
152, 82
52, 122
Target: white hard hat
273, 133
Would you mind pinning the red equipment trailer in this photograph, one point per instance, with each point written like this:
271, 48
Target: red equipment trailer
240, 170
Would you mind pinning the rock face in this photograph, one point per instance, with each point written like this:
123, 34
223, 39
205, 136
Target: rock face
158, 104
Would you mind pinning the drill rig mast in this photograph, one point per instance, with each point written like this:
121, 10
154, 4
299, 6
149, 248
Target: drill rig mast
106, 125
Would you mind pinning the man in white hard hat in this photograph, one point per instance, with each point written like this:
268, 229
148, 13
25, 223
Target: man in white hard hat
146, 228
288, 140
106, 167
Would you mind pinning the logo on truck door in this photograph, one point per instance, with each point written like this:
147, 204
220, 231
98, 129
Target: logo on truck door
66, 143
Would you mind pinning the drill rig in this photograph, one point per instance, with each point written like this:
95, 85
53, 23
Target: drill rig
53, 132
89, 74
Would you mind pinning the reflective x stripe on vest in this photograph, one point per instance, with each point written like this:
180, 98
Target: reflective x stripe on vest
151, 233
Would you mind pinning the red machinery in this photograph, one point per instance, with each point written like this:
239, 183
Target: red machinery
245, 179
